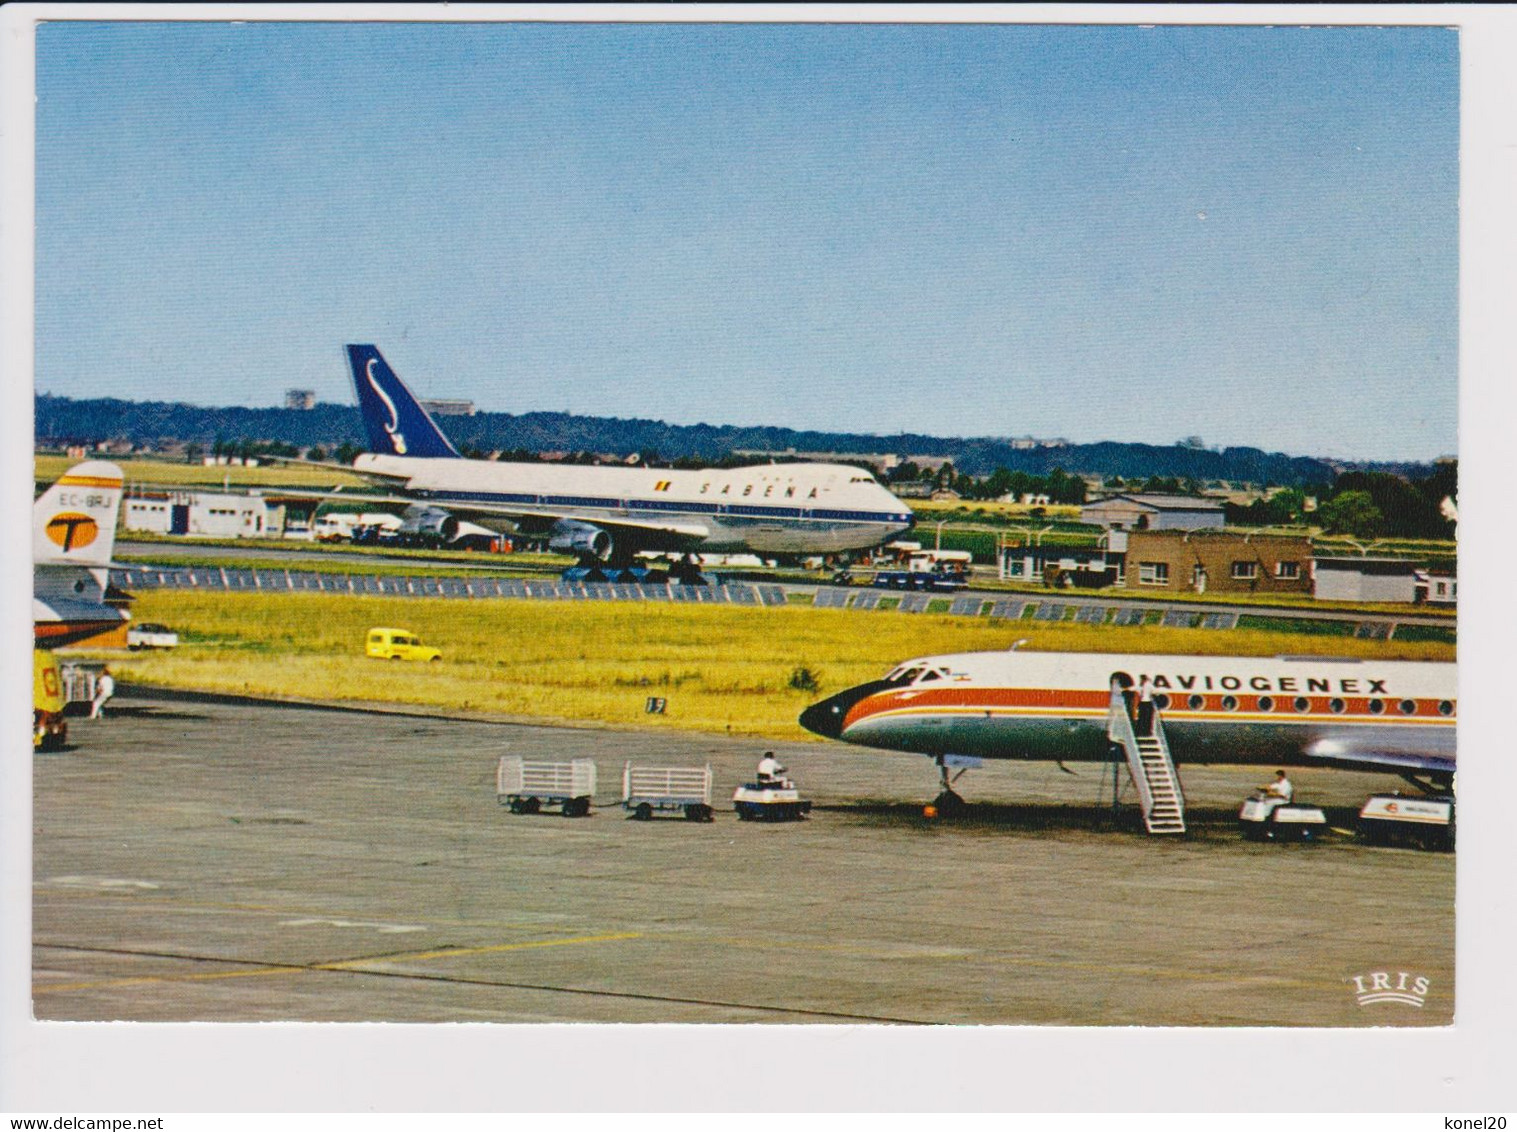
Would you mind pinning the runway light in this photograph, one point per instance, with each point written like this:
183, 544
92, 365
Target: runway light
929, 811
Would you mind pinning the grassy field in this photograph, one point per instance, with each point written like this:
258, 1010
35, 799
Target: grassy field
990, 510
721, 669
150, 472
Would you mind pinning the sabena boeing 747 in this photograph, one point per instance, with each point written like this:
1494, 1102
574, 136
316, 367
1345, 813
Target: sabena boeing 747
1395, 716
607, 515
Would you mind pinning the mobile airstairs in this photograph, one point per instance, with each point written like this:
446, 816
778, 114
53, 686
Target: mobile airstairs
1153, 770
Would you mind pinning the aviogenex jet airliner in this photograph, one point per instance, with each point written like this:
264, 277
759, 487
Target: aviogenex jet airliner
609, 514
1397, 716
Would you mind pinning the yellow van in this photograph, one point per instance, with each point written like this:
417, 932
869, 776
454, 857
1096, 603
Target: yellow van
399, 644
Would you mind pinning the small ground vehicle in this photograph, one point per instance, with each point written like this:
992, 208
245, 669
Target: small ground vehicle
648, 788
49, 728
151, 636
399, 644
528, 786
1266, 818
943, 571
1425, 820
769, 801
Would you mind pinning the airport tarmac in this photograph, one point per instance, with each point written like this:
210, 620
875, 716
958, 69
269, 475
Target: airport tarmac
226, 861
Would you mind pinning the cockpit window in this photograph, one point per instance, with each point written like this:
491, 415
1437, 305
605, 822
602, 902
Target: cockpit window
934, 674
903, 676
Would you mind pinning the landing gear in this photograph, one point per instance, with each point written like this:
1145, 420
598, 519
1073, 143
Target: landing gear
948, 804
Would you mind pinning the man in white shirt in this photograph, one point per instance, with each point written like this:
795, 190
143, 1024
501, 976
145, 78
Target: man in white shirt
1280, 788
770, 773
1145, 707
105, 688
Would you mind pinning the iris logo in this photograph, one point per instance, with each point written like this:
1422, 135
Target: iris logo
392, 426
72, 531
1385, 986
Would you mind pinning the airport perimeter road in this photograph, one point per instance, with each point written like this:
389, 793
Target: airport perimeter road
240, 862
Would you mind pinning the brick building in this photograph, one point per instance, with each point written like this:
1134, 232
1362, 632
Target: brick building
1217, 561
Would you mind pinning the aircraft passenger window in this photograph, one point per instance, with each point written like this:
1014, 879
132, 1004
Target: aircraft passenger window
1229, 703
748, 490
705, 487
726, 487
1445, 707
812, 495
789, 491
1337, 706
1196, 703
1377, 707
1266, 703
1408, 707
769, 490
1301, 703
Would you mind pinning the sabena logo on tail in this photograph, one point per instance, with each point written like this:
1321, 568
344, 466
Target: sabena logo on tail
396, 422
74, 522
391, 426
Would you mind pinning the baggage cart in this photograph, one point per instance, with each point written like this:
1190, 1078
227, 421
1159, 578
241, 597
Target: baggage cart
649, 788
1425, 820
529, 786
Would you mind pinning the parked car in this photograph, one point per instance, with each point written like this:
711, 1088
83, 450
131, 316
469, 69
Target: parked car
399, 644
149, 636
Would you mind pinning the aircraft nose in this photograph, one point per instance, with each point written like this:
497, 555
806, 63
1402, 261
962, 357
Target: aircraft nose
826, 717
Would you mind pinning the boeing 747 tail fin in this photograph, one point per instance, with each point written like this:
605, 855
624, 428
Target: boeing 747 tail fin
396, 422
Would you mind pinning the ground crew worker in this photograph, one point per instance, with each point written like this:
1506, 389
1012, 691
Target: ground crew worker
105, 688
1280, 788
1145, 707
770, 773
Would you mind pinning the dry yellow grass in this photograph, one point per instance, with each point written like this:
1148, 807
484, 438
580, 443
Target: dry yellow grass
148, 472
931, 509
721, 669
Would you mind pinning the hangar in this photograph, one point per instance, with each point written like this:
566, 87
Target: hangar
1150, 511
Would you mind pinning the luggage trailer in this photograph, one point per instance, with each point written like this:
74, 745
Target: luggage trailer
528, 786
688, 788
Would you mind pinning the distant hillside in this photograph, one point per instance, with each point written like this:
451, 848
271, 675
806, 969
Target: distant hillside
63, 420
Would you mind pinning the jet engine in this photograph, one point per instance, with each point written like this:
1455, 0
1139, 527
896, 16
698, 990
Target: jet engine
430, 521
572, 537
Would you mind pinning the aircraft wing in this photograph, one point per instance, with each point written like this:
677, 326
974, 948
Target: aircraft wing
1367, 756
651, 534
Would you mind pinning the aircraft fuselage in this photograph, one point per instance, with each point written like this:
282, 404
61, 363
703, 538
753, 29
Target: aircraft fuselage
1024, 705
765, 508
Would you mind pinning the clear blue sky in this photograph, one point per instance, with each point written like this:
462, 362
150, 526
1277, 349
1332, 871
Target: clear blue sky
1098, 233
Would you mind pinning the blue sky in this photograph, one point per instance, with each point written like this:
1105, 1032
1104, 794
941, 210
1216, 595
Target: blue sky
1099, 233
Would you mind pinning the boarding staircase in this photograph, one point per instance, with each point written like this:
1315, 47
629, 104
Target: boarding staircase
1153, 770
